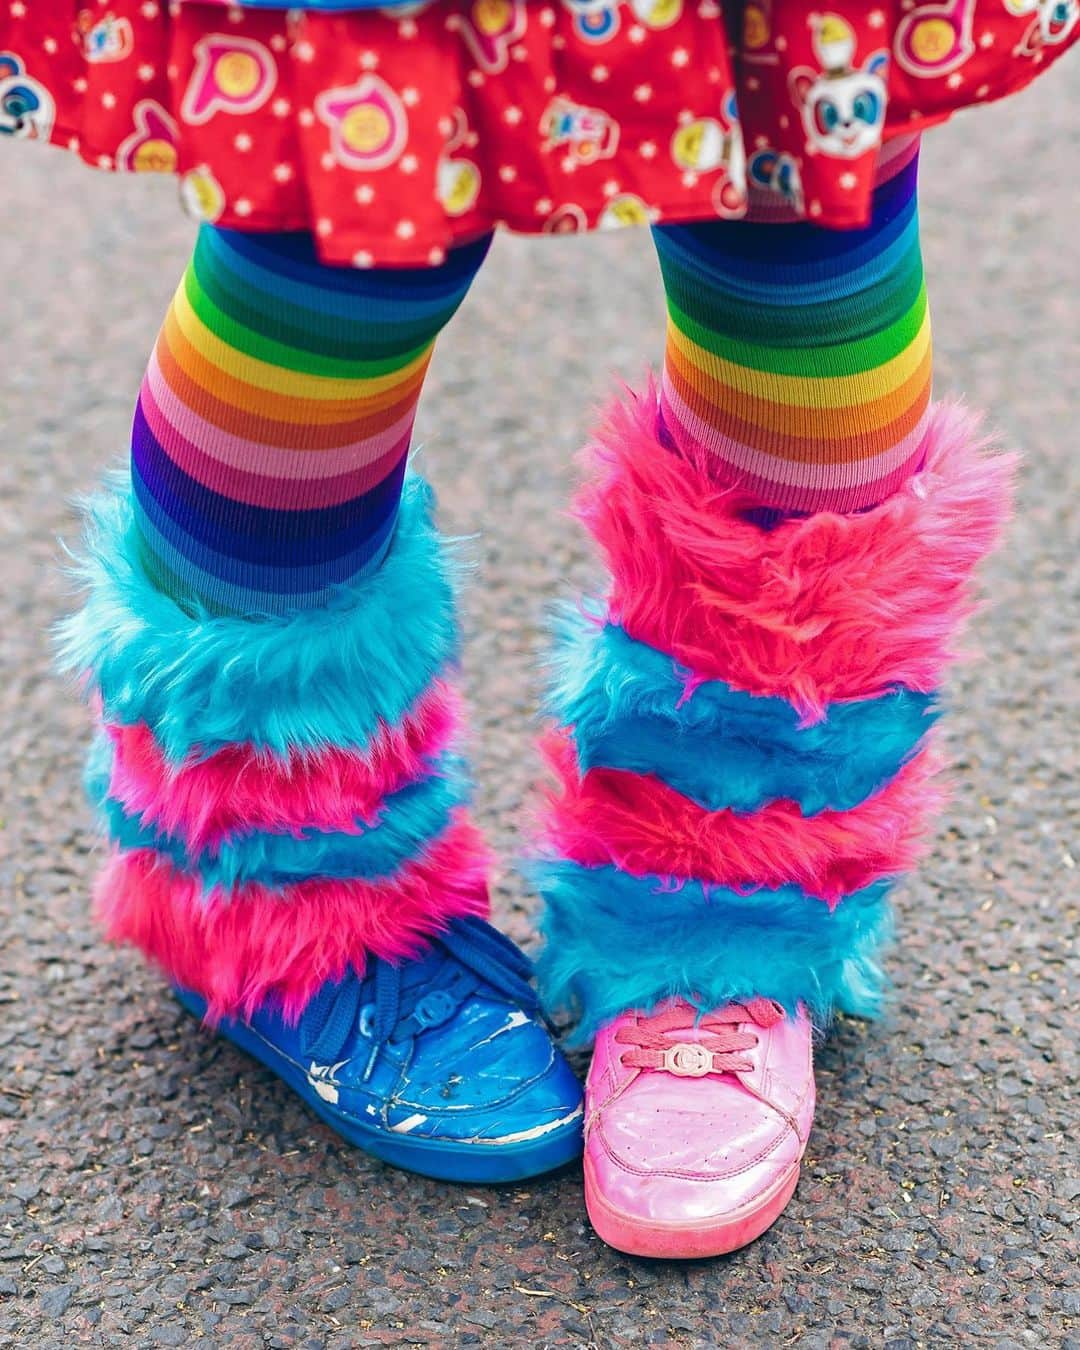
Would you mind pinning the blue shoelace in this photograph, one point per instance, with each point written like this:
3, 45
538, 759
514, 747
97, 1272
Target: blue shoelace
390, 1003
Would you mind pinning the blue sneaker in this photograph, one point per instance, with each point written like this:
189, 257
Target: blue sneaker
441, 1065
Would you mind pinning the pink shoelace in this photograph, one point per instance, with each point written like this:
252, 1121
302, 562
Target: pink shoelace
719, 1045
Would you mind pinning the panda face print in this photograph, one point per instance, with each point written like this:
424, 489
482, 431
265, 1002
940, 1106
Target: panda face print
1056, 19
844, 115
842, 103
27, 110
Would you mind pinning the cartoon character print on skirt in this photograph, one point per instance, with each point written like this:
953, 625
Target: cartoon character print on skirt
1053, 23
27, 109
393, 133
842, 105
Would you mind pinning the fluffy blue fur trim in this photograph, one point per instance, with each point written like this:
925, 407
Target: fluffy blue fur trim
306, 680
411, 820
625, 704
613, 942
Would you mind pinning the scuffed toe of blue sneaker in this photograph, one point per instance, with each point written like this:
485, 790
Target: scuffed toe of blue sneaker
492, 1077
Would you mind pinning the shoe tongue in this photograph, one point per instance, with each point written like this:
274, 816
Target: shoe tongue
692, 1031
693, 1034
432, 990
420, 974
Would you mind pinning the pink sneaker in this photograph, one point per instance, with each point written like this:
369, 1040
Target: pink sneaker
695, 1129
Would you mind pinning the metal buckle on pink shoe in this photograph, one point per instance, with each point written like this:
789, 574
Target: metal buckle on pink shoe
687, 1060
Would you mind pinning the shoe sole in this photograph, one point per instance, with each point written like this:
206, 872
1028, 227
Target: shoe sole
444, 1160
686, 1241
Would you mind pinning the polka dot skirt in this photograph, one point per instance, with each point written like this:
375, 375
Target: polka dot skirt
394, 133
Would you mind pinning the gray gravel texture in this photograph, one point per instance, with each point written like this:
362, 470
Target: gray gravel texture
157, 1188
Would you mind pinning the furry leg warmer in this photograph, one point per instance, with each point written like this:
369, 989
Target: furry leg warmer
281, 794
744, 758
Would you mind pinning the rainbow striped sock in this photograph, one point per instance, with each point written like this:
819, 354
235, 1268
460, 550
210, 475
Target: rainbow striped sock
799, 357
274, 420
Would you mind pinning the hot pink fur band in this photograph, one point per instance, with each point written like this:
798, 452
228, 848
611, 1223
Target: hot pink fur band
240, 950
646, 828
819, 609
239, 789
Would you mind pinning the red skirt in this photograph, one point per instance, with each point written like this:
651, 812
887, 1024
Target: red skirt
394, 134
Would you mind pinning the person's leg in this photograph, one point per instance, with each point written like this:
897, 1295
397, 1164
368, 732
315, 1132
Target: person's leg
743, 757
798, 359
273, 425
270, 633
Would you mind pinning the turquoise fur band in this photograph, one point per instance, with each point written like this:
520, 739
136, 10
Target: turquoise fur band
304, 681
627, 706
614, 941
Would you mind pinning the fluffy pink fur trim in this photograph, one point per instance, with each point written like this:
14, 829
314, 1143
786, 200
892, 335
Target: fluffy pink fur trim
239, 951
824, 608
646, 828
206, 801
